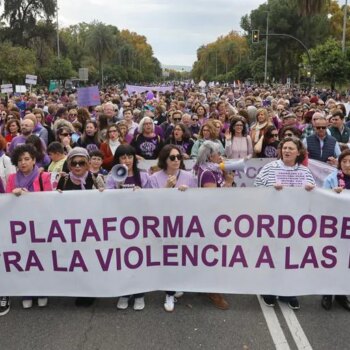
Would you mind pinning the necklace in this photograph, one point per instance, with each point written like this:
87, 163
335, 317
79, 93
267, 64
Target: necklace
239, 145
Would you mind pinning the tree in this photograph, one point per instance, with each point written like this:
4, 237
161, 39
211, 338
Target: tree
15, 63
329, 63
22, 16
311, 7
99, 42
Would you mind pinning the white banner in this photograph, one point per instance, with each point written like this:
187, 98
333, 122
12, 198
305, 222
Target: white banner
119, 242
31, 79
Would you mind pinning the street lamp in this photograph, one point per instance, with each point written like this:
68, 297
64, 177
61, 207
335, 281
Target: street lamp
344, 25
58, 33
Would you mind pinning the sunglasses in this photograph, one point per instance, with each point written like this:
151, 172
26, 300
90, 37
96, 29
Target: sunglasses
66, 134
321, 127
74, 163
177, 156
176, 119
288, 135
274, 135
73, 115
195, 119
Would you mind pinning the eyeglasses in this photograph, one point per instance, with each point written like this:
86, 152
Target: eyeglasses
177, 156
321, 127
288, 135
66, 134
74, 163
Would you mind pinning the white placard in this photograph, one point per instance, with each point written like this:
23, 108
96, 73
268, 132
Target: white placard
21, 89
6, 88
31, 79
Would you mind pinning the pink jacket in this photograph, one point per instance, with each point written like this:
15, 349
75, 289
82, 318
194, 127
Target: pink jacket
46, 177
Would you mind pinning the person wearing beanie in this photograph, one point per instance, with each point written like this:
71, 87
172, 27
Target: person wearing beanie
80, 178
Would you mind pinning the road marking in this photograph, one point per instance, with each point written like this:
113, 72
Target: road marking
295, 328
274, 326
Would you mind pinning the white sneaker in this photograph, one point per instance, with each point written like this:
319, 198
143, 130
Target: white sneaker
178, 295
27, 303
139, 304
42, 302
169, 303
123, 303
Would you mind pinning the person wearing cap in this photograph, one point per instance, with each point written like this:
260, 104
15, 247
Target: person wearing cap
80, 178
290, 119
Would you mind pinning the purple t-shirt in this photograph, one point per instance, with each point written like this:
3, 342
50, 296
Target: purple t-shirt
159, 179
208, 176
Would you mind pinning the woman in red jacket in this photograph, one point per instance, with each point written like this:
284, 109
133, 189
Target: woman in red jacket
109, 147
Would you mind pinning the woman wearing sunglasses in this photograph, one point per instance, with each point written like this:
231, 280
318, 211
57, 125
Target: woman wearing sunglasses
171, 175
267, 144
80, 178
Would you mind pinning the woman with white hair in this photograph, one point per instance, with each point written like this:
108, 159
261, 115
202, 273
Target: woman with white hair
147, 143
211, 176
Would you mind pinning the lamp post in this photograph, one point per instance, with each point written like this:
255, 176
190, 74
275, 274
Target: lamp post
266, 46
57, 30
344, 25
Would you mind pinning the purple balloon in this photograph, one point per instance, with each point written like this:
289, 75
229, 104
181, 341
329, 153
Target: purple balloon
150, 96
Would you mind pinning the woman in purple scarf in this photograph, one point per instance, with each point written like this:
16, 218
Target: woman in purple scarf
28, 178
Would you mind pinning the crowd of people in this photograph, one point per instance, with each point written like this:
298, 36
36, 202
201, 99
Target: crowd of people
48, 142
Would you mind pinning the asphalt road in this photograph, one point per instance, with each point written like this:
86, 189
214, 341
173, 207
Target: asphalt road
195, 324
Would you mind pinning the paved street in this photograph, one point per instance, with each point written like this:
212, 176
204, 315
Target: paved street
195, 324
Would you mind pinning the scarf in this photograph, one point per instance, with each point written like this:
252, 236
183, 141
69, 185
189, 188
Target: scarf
211, 167
113, 145
80, 179
27, 181
343, 180
257, 128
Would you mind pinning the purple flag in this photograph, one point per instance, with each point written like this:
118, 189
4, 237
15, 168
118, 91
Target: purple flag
88, 96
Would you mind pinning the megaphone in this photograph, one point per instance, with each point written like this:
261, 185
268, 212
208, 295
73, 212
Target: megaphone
233, 165
119, 173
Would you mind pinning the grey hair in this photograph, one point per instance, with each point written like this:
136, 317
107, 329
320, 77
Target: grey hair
142, 121
206, 150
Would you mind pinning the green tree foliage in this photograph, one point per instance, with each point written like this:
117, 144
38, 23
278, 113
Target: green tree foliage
329, 63
15, 63
217, 60
284, 53
311, 7
22, 17
122, 56
99, 42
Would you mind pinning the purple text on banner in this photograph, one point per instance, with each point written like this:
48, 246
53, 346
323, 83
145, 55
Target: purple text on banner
88, 96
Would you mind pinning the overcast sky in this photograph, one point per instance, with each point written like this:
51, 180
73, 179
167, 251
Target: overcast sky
175, 29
